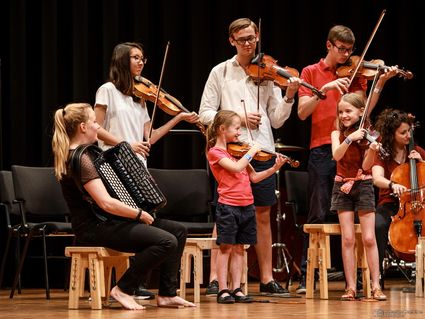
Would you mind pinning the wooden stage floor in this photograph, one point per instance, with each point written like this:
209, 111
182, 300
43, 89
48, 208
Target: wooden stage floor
32, 304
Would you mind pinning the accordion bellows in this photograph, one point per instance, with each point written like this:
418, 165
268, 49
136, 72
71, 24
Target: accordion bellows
127, 178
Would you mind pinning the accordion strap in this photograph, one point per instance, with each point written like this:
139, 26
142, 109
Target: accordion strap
75, 166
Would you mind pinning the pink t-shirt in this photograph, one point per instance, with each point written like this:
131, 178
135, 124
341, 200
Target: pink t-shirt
233, 188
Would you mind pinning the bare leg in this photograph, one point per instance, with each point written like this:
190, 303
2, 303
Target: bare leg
236, 263
263, 248
348, 239
367, 223
125, 300
213, 261
222, 265
163, 301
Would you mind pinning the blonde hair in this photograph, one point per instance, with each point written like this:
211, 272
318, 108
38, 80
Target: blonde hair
66, 122
223, 117
241, 24
355, 100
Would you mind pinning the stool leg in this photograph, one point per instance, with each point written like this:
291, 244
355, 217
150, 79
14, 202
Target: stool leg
311, 264
95, 279
419, 288
197, 275
323, 274
75, 281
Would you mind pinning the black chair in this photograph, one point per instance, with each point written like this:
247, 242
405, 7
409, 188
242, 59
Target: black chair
44, 212
297, 194
188, 196
11, 217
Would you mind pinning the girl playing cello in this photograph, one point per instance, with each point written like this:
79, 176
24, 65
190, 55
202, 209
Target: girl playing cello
395, 129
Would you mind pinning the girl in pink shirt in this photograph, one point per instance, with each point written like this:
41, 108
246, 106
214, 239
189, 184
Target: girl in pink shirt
235, 212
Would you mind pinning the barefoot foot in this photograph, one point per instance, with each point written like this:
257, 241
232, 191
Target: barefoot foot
125, 300
173, 301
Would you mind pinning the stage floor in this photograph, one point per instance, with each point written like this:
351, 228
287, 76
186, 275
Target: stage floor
400, 304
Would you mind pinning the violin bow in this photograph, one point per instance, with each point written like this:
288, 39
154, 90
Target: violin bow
367, 46
159, 90
260, 58
246, 122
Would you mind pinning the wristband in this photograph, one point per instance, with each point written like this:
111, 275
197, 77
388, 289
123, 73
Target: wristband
377, 90
348, 140
390, 185
139, 214
248, 157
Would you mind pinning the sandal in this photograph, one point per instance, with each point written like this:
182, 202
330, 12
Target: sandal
226, 299
377, 294
349, 295
243, 298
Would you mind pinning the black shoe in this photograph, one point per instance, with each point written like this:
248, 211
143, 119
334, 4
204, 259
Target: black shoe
212, 288
241, 299
227, 299
273, 287
143, 294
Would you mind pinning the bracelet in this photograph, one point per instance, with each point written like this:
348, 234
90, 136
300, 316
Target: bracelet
377, 90
390, 185
248, 157
348, 140
139, 214
288, 99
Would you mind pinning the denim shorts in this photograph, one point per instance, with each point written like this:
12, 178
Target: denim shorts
236, 224
360, 198
265, 191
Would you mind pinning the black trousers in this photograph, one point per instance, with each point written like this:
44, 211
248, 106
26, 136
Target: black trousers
382, 225
160, 245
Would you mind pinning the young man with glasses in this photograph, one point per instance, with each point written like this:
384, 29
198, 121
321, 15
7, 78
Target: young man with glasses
230, 88
321, 166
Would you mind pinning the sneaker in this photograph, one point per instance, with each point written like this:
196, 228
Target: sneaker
143, 294
273, 287
301, 288
212, 288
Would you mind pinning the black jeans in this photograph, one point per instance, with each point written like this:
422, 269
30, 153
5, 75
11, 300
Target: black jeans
321, 173
382, 225
158, 245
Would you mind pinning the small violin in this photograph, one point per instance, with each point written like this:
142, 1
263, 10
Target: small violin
367, 69
143, 88
239, 149
370, 136
264, 67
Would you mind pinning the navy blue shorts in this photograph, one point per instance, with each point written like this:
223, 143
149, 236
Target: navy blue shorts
360, 198
265, 191
236, 224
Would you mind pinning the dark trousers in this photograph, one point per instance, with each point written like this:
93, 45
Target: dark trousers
321, 173
382, 225
158, 245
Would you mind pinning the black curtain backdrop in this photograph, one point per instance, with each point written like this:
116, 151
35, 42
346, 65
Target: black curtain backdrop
55, 51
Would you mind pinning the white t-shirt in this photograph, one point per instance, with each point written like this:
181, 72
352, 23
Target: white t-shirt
124, 118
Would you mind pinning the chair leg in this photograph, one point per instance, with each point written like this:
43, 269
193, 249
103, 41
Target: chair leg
46, 272
21, 263
6, 252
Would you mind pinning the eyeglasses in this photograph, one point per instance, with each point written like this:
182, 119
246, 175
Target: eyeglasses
251, 39
138, 58
343, 50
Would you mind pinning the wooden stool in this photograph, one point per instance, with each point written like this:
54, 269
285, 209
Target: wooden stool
420, 271
194, 248
99, 261
319, 256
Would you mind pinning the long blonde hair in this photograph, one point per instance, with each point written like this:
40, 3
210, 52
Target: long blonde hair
66, 122
223, 117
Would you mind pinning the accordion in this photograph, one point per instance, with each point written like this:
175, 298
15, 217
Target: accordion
127, 178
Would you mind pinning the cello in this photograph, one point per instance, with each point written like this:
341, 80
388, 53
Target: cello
406, 225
